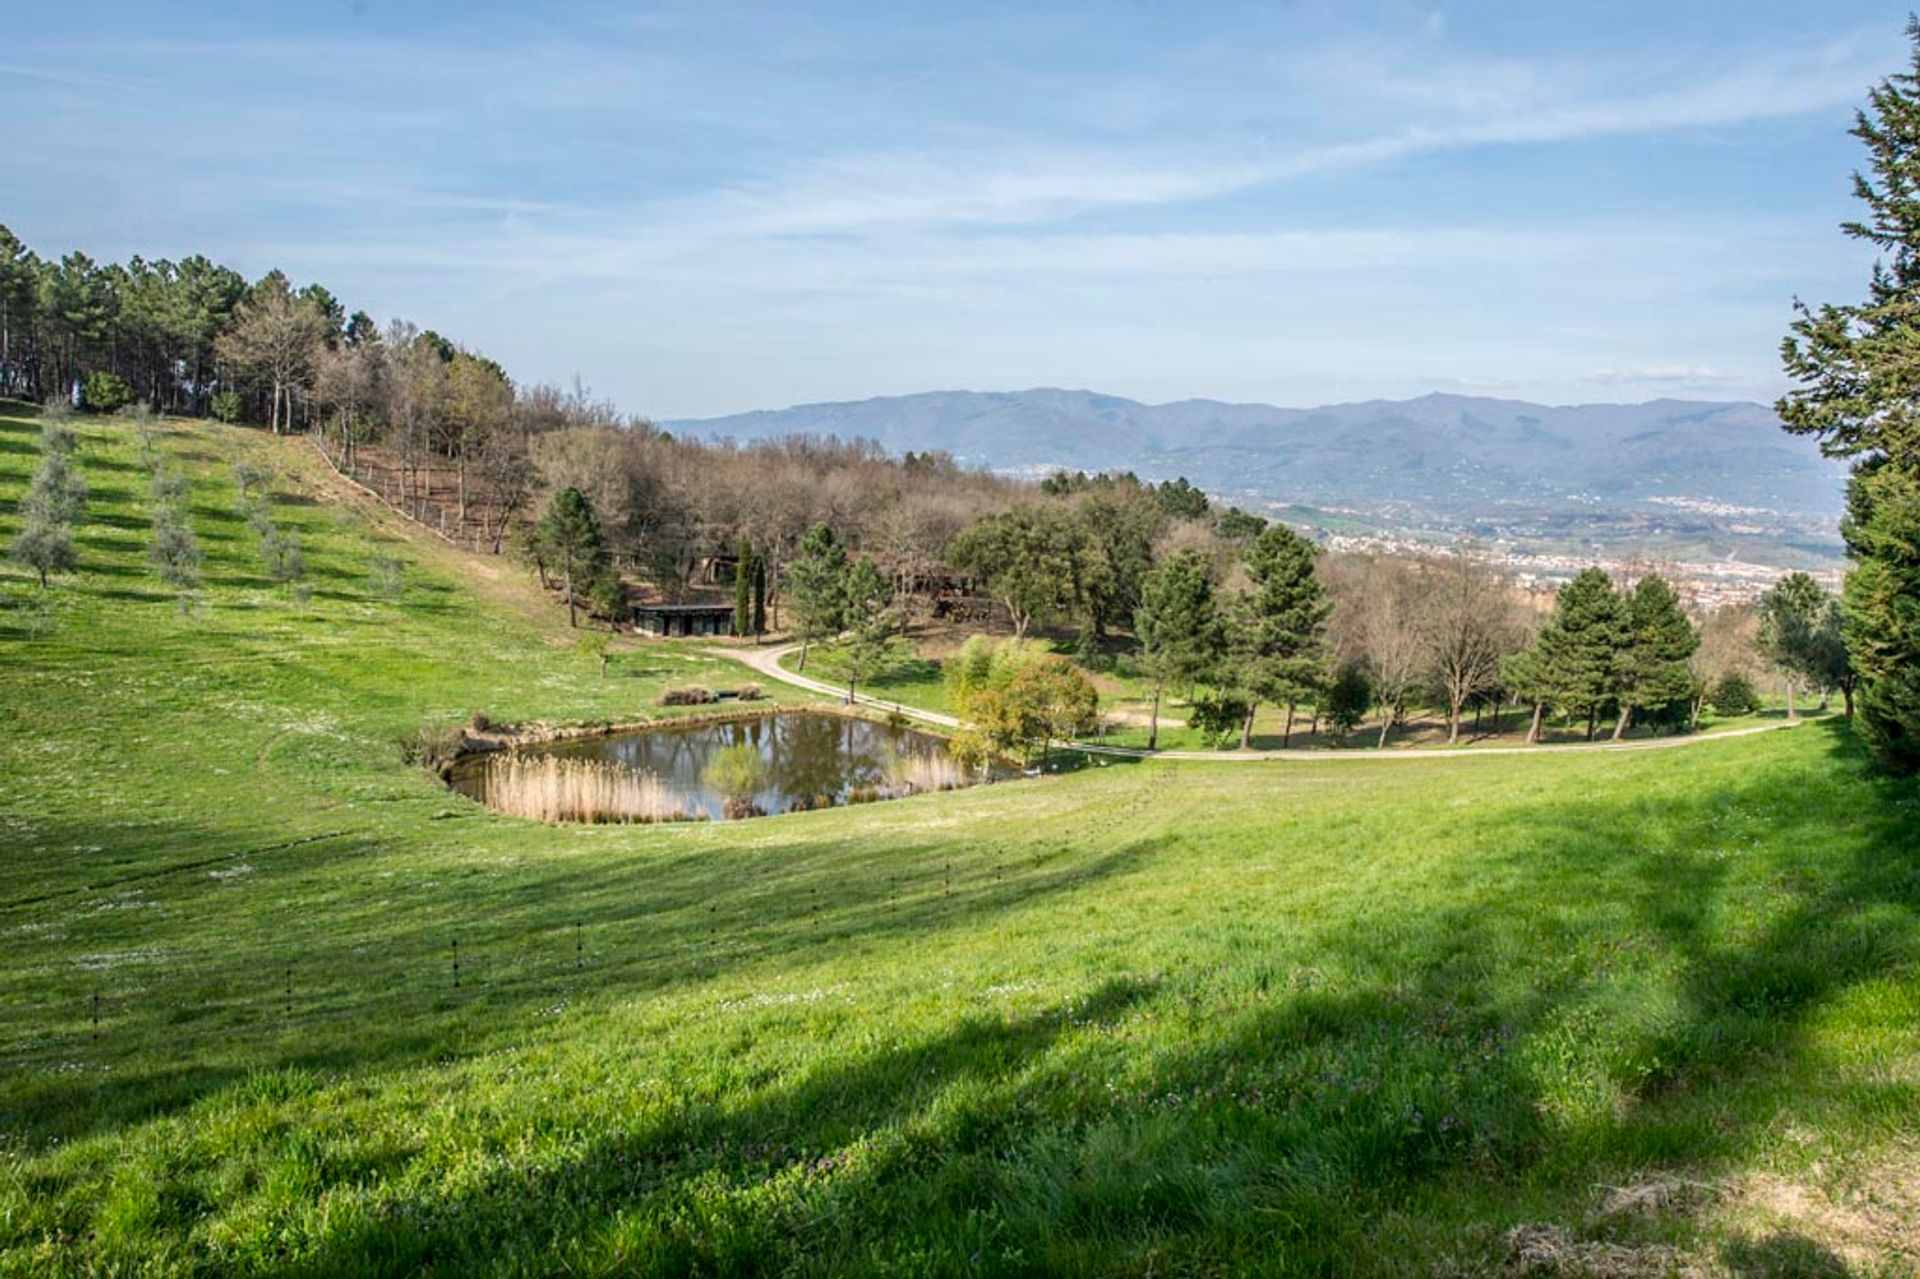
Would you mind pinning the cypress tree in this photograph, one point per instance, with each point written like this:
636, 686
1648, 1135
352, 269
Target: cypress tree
743, 588
1859, 394
759, 595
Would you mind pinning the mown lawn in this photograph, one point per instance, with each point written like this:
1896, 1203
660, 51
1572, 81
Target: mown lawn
1451, 1015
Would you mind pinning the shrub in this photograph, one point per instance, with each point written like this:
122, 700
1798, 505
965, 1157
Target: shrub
104, 392
1218, 716
1735, 695
690, 695
433, 746
1347, 700
226, 405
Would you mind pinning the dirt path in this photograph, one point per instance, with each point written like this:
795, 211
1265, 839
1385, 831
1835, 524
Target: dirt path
767, 662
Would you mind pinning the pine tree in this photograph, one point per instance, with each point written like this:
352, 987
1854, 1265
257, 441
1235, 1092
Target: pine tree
816, 585
1859, 394
569, 538
1273, 631
1573, 664
1652, 667
1177, 625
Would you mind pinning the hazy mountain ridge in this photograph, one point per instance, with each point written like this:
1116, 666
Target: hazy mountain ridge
1493, 467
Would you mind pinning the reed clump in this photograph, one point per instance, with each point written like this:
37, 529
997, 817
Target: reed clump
554, 788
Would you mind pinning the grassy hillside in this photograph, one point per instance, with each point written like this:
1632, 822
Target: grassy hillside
1452, 1015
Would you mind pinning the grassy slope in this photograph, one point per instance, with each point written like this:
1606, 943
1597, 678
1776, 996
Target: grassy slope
1146, 1018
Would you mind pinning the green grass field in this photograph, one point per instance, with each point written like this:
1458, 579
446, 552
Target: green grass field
1629, 1013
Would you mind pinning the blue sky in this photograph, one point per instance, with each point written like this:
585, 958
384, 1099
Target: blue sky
703, 208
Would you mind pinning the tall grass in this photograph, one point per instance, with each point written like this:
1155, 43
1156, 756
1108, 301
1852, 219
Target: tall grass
553, 788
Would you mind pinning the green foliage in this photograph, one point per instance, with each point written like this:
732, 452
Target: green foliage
54, 502
1858, 385
1177, 624
1273, 631
1574, 663
1117, 1022
596, 647
1051, 699
104, 392
1652, 668
1032, 558
1347, 699
1238, 525
1220, 716
817, 585
1883, 611
1181, 499
1734, 696
174, 550
567, 541
227, 406
1802, 631
743, 573
869, 620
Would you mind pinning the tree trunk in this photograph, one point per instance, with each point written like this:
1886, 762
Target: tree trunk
1386, 726
1626, 717
1846, 691
1286, 734
1453, 721
1246, 727
1791, 712
1153, 724
567, 585
1533, 729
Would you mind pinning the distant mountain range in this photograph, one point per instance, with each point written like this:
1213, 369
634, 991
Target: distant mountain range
1667, 477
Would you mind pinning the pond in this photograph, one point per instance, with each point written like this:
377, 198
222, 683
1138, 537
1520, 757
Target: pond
775, 763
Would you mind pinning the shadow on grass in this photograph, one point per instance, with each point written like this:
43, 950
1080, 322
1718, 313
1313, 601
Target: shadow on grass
1280, 1102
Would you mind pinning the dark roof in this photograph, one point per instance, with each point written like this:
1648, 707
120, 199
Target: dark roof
683, 608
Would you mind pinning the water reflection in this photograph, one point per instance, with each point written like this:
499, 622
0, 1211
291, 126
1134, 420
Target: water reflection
810, 759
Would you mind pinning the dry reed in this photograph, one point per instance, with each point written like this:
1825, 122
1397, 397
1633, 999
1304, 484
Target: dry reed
553, 788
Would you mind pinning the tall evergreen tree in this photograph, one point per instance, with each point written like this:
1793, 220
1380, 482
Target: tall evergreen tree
1177, 624
1652, 668
816, 588
759, 595
743, 588
568, 540
1859, 394
1273, 631
1571, 666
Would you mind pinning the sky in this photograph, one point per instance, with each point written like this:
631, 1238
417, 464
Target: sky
703, 208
